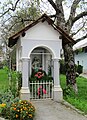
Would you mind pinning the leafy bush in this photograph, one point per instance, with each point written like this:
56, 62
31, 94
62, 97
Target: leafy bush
1, 65
11, 80
68, 91
6, 99
79, 69
22, 110
40, 75
19, 77
14, 108
78, 100
7, 96
62, 67
15, 82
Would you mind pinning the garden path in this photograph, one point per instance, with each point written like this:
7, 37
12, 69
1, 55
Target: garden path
50, 110
2, 118
84, 75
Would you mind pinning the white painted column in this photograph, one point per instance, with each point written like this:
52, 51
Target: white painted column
43, 60
52, 67
17, 59
57, 89
25, 92
46, 63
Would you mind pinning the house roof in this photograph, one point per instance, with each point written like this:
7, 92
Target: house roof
66, 38
80, 44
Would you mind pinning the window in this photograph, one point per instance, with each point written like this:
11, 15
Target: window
85, 49
77, 62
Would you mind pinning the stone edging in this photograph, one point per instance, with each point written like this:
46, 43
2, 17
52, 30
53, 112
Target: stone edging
72, 107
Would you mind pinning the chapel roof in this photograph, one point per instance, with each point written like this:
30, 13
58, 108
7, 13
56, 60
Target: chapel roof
66, 38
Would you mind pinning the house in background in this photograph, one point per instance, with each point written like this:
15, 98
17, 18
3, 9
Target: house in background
39, 45
80, 49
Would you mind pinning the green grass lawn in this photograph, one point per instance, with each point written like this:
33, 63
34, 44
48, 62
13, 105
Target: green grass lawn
3, 80
79, 100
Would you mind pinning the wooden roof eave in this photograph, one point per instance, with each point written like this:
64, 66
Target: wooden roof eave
65, 36
41, 19
17, 35
12, 41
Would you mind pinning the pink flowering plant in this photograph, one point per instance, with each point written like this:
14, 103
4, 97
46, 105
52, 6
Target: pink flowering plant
39, 75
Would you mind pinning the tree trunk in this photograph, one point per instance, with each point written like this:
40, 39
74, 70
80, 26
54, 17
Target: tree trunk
68, 51
70, 66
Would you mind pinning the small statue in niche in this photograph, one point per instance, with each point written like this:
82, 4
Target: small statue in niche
35, 64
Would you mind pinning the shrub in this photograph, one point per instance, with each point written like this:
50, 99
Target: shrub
68, 91
62, 67
15, 82
15, 109
19, 77
1, 65
22, 110
40, 76
79, 69
6, 99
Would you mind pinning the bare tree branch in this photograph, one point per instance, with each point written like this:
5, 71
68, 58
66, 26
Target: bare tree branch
54, 6
52, 16
74, 33
16, 4
79, 16
13, 25
12, 9
10, 18
72, 13
59, 13
83, 37
73, 8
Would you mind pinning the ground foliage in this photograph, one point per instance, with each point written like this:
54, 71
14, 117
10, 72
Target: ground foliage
78, 100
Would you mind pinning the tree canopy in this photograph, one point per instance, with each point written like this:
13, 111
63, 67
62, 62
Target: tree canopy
16, 15
73, 14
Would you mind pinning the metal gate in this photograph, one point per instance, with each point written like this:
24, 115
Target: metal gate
41, 90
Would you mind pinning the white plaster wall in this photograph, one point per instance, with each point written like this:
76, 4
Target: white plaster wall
54, 46
18, 55
42, 31
82, 58
43, 35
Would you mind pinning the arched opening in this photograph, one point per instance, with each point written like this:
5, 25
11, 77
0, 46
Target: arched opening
41, 58
41, 80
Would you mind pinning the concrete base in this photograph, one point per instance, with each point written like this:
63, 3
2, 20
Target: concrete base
25, 93
58, 94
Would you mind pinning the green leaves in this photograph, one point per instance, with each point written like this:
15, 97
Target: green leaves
78, 100
16, 15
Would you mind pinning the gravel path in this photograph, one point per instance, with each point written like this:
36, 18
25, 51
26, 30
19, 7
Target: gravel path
50, 110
